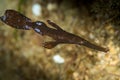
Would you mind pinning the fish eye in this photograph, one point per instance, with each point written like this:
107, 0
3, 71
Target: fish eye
37, 30
39, 23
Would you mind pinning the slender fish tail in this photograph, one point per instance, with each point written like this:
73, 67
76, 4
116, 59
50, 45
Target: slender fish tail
93, 46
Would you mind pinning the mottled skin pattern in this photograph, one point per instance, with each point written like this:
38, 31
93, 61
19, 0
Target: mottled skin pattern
19, 21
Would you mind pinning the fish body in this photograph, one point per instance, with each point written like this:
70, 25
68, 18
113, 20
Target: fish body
19, 21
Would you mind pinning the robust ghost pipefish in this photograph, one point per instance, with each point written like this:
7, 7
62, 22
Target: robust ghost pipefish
19, 21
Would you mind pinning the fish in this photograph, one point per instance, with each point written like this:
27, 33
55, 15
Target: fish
17, 20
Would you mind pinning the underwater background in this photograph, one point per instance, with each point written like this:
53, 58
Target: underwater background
23, 58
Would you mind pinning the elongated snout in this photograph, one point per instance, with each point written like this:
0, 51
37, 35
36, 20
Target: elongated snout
2, 18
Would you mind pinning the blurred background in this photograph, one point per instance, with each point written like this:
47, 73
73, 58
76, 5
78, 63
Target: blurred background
23, 58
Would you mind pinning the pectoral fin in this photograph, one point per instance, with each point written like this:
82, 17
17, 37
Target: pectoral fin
54, 25
50, 45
